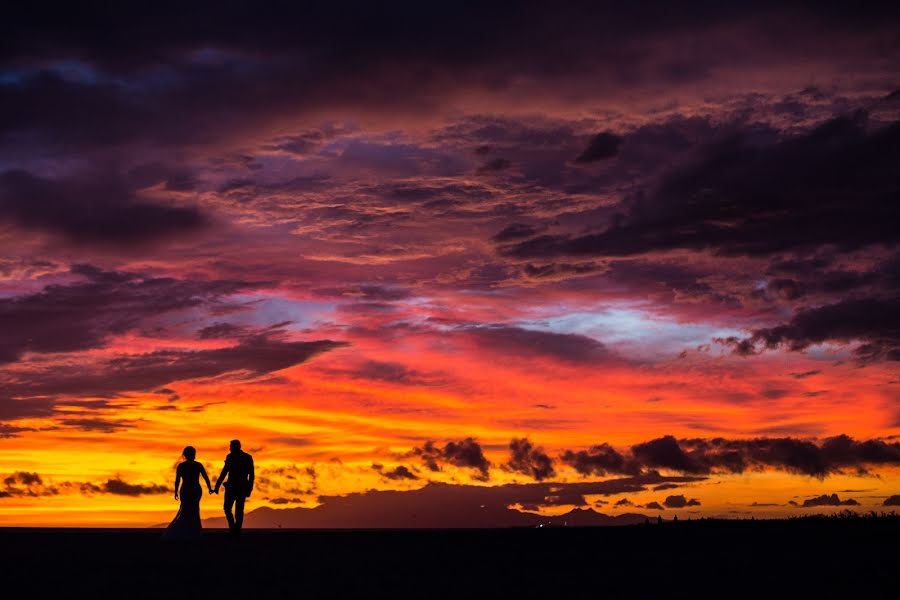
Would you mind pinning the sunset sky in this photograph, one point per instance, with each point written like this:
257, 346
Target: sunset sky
643, 256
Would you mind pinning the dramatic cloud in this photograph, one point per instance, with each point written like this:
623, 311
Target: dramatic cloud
515, 231
702, 456
530, 460
599, 460
665, 453
25, 484
337, 234
892, 501
11, 409
517, 341
99, 208
253, 356
602, 146
680, 501
122, 488
389, 372
9, 431
826, 500
665, 486
399, 472
466, 453
245, 80
84, 315
498, 164
873, 322
749, 197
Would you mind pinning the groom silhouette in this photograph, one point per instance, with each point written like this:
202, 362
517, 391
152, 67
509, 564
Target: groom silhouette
239, 469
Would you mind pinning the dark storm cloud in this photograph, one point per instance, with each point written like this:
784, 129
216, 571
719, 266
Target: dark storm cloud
387, 371
399, 472
874, 322
23, 483
106, 75
286, 500
253, 356
805, 374
466, 453
680, 501
892, 501
793, 455
666, 453
84, 315
560, 270
676, 277
788, 289
98, 208
665, 486
515, 231
122, 488
747, 196
494, 166
599, 460
11, 431
11, 409
220, 330
818, 281
97, 425
530, 460
392, 372
23, 477
826, 500
654, 506
256, 355
601, 147
703, 456
570, 347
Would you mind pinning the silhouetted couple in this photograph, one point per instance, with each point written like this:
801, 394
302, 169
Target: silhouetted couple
237, 475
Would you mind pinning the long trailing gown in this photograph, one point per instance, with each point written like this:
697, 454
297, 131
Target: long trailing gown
186, 524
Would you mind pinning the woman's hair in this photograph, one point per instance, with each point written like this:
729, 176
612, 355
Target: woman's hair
189, 452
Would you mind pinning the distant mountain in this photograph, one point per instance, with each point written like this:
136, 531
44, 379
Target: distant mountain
437, 505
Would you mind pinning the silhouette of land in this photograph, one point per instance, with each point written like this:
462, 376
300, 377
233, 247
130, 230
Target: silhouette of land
802, 558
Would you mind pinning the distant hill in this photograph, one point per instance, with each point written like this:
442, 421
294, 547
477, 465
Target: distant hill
436, 505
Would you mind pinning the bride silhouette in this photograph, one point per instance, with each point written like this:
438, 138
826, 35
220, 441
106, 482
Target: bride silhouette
186, 524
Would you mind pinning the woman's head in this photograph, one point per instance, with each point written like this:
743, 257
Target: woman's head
189, 453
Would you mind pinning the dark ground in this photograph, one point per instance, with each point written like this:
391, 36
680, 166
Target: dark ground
821, 558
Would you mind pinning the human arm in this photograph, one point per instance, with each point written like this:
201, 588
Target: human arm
205, 478
250, 477
177, 480
221, 477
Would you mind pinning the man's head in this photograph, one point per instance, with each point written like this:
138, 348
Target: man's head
235, 445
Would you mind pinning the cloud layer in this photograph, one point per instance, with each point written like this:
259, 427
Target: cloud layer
419, 245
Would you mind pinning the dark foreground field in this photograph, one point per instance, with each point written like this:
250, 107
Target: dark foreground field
800, 559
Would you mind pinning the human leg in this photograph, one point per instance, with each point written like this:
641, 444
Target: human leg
229, 502
239, 511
